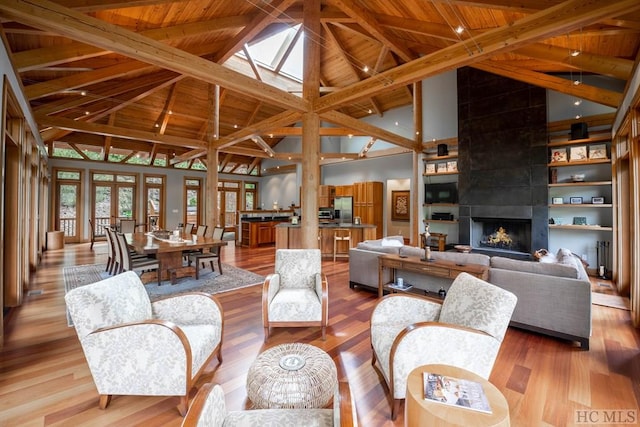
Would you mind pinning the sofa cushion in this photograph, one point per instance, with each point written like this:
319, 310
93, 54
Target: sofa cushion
566, 257
391, 242
377, 245
547, 269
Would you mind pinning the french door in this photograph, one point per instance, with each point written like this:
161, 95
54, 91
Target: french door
68, 193
113, 199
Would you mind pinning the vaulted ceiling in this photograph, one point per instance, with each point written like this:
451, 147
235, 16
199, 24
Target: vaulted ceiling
160, 79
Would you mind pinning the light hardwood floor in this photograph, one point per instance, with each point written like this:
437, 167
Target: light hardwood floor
44, 380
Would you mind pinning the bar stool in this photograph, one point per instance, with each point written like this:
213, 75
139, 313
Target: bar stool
341, 235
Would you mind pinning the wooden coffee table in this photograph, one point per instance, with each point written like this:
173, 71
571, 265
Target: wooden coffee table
421, 412
437, 268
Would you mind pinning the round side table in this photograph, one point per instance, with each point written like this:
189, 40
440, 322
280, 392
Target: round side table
421, 412
292, 375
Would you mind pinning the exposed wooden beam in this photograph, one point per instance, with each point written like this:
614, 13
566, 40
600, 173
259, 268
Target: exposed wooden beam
106, 130
124, 101
605, 65
96, 5
78, 80
324, 131
584, 91
48, 15
75, 51
266, 15
382, 134
105, 91
560, 19
260, 128
371, 24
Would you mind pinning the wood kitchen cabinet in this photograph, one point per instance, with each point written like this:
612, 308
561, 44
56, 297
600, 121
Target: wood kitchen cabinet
368, 204
344, 190
326, 194
259, 233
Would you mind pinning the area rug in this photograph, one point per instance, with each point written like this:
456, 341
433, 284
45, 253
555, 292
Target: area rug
210, 282
613, 301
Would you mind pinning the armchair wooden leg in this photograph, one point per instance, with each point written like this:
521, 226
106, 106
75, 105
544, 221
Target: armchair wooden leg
183, 406
266, 333
104, 401
395, 408
324, 333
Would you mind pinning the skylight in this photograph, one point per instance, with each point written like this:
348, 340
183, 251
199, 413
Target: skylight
281, 51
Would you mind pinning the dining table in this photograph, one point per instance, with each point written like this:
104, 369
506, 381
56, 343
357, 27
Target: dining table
169, 251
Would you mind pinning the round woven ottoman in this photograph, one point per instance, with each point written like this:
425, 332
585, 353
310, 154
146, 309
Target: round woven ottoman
292, 375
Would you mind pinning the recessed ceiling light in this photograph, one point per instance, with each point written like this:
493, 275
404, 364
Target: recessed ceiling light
365, 69
577, 102
459, 29
577, 82
575, 52
578, 116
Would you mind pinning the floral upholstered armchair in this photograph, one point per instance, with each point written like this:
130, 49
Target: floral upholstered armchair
296, 294
208, 409
466, 331
136, 347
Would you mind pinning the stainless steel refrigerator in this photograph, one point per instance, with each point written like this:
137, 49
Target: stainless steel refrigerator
343, 209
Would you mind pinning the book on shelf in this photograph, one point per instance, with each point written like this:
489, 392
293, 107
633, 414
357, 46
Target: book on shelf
455, 392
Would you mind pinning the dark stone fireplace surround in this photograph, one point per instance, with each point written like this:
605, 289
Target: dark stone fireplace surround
502, 154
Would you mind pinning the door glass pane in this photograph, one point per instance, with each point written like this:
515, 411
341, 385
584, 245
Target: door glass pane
153, 207
68, 209
192, 206
125, 202
102, 206
249, 202
231, 201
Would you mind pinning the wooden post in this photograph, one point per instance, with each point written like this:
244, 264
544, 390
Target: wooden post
416, 212
311, 124
213, 133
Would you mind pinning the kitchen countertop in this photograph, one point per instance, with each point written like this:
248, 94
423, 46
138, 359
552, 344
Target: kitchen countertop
266, 218
329, 225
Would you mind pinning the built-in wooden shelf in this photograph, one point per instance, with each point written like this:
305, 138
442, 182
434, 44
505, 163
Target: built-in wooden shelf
581, 205
580, 184
580, 227
580, 163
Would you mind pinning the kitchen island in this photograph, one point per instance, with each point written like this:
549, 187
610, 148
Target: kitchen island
289, 236
257, 228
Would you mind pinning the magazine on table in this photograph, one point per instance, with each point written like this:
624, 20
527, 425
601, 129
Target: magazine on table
455, 392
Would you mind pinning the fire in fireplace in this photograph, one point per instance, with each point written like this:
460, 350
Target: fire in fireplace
502, 234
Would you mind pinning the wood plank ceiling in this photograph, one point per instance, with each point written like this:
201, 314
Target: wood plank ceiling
135, 78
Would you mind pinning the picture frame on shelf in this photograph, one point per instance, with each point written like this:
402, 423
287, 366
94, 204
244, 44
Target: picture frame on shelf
578, 153
430, 168
559, 155
579, 220
452, 166
597, 152
400, 205
597, 200
575, 200
442, 167
557, 201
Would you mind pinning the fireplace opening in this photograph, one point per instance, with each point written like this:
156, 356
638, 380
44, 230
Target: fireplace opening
501, 234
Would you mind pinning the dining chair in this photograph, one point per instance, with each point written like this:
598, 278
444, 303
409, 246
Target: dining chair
188, 228
111, 258
92, 230
127, 225
199, 258
138, 265
201, 230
